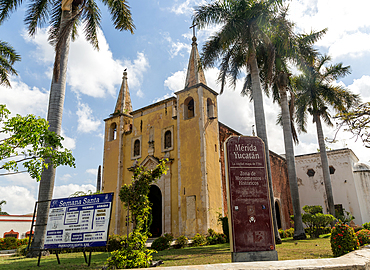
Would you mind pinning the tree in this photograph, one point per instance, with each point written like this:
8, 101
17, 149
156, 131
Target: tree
1, 205
357, 122
65, 16
315, 220
290, 48
245, 25
134, 196
8, 56
315, 91
26, 143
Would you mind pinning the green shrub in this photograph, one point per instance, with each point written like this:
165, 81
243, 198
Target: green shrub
289, 232
366, 225
133, 253
343, 239
363, 237
225, 225
214, 238
11, 243
181, 241
115, 242
161, 243
315, 220
282, 233
199, 240
169, 237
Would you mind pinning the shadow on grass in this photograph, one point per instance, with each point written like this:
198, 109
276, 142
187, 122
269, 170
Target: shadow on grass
67, 261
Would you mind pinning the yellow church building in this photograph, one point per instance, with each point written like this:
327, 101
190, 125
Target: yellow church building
183, 129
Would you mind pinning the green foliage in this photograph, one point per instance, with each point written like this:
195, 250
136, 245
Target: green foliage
344, 216
225, 225
363, 237
199, 240
1, 205
181, 241
366, 225
8, 56
343, 239
289, 232
161, 243
83, 193
133, 253
282, 233
27, 143
214, 238
315, 220
115, 242
12, 243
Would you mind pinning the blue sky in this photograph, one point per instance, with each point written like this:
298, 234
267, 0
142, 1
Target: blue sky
156, 57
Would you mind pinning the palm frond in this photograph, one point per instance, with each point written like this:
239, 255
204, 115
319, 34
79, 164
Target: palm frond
37, 15
91, 17
8, 56
121, 15
7, 7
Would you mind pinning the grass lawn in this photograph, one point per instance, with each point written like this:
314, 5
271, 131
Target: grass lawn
289, 250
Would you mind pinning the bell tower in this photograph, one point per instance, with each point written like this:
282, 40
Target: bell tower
199, 178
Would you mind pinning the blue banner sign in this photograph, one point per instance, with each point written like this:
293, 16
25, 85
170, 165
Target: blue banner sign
79, 222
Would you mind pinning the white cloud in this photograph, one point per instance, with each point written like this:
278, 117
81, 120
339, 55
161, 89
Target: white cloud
92, 72
68, 142
23, 99
65, 177
335, 15
185, 7
92, 171
86, 121
65, 191
44, 51
361, 86
19, 200
135, 72
176, 81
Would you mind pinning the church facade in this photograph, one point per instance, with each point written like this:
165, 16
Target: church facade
185, 130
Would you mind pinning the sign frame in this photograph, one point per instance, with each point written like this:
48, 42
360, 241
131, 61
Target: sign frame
81, 214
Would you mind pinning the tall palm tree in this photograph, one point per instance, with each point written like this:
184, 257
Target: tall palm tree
290, 48
244, 27
8, 56
315, 91
65, 16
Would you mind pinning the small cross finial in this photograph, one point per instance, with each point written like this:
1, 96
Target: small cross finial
194, 37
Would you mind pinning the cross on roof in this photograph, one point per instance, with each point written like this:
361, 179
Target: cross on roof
193, 26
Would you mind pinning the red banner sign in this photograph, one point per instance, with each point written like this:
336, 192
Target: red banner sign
248, 195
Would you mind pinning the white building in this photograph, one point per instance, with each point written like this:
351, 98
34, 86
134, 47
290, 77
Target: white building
17, 226
350, 182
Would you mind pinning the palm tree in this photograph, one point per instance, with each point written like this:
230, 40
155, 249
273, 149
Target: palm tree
65, 16
315, 91
8, 57
244, 27
290, 48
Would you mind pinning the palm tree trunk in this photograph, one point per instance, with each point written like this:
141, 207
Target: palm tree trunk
299, 232
325, 166
259, 115
55, 113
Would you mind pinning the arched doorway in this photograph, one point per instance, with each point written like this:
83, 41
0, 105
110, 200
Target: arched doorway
155, 197
277, 210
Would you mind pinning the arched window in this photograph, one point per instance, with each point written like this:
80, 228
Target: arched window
137, 148
210, 109
167, 139
189, 108
112, 132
